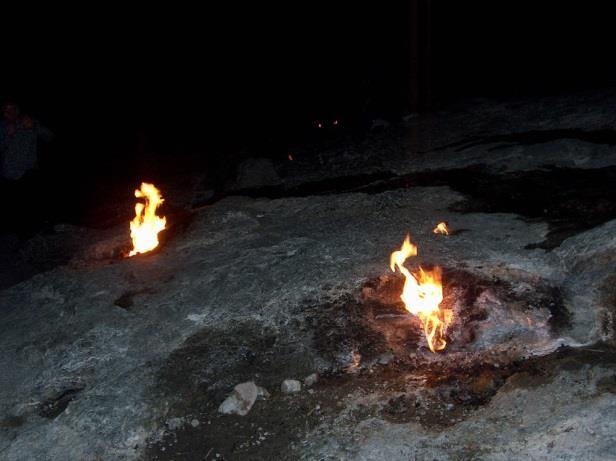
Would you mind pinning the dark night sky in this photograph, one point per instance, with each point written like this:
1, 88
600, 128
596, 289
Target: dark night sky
225, 77
518, 48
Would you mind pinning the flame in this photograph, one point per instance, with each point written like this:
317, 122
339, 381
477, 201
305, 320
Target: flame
441, 228
146, 225
422, 295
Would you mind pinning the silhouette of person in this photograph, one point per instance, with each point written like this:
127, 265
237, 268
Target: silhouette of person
20, 136
23, 199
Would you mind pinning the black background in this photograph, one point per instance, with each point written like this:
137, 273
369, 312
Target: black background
112, 83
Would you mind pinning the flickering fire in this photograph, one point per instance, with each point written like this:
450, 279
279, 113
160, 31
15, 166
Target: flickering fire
146, 225
441, 228
422, 294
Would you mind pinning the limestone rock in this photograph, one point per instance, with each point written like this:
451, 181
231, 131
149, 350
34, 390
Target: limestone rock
290, 386
311, 380
256, 172
241, 399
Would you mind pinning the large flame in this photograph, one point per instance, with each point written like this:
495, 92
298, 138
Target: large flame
146, 225
422, 295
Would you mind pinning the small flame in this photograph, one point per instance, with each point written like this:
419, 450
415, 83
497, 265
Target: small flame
441, 228
290, 157
422, 295
146, 225
353, 366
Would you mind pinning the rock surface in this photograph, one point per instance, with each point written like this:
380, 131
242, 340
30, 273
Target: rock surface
263, 289
256, 172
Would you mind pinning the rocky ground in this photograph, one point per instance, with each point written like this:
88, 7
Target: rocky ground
277, 279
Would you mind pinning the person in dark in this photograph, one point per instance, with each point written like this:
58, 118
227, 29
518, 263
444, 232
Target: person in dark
20, 185
20, 136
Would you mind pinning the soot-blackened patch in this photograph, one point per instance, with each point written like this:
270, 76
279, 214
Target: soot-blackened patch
450, 392
202, 373
127, 299
488, 313
560, 317
11, 422
52, 407
218, 360
608, 315
346, 332
349, 329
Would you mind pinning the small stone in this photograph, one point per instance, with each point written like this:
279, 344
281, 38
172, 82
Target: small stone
384, 359
290, 386
450, 406
262, 393
175, 423
311, 380
194, 423
241, 400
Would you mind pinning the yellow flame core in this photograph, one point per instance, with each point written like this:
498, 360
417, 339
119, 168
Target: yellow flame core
146, 225
441, 228
422, 294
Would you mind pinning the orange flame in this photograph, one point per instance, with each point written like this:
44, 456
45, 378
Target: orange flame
422, 294
441, 228
146, 225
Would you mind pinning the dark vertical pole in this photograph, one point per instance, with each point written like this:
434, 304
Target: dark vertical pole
426, 55
414, 56
420, 44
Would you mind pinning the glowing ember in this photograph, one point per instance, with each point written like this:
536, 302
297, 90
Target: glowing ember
146, 225
422, 295
441, 228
